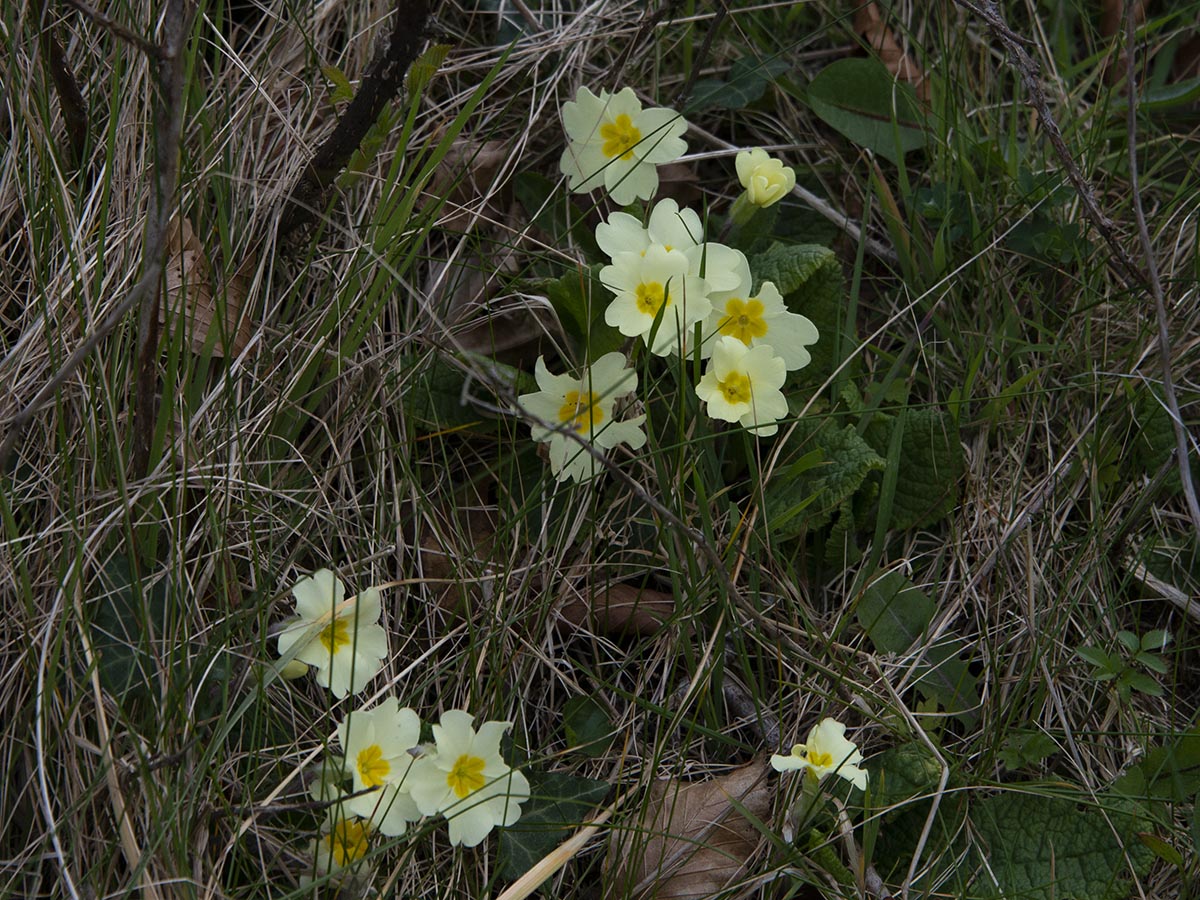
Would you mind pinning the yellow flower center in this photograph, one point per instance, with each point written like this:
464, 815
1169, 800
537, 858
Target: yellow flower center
581, 412
466, 776
372, 767
651, 297
620, 137
818, 759
348, 841
744, 320
336, 636
735, 388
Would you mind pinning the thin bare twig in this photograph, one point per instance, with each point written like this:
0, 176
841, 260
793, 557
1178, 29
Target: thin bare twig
838, 218
150, 48
714, 26
1030, 73
168, 121
381, 83
70, 97
1182, 455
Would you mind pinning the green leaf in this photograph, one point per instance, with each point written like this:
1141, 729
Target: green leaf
342, 90
587, 726
1099, 658
123, 622
1027, 749
847, 460
748, 79
1155, 640
1152, 661
1170, 772
1129, 640
1046, 847
904, 772
421, 72
894, 613
1160, 98
931, 466
945, 676
550, 209
433, 392
792, 266
1160, 848
861, 99
810, 279
1143, 683
903, 779
557, 804
580, 300
1154, 439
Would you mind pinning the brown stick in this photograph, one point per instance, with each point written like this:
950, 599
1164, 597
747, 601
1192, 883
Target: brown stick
150, 48
383, 80
70, 97
168, 120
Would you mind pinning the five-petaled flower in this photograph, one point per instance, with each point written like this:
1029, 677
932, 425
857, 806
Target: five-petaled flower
825, 751
586, 407
658, 288
343, 842
340, 638
613, 142
467, 780
757, 319
765, 178
741, 384
377, 742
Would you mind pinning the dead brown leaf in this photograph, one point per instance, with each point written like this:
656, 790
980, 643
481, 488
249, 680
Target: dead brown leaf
466, 174
189, 292
619, 609
869, 24
694, 840
1112, 16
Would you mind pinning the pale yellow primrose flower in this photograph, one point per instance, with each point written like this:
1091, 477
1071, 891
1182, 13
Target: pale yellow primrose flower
645, 284
584, 405
826, 751
613, 142
467, 781
340, 638
671, 228
765, 178
377, 743
343, 842
756, 319
742, 384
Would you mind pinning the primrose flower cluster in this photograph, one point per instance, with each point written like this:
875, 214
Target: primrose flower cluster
394, 778
672, 288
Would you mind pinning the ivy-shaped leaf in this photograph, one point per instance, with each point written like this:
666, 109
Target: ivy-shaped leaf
580, 300
747, 81
123, 621
557, 804
894, 613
